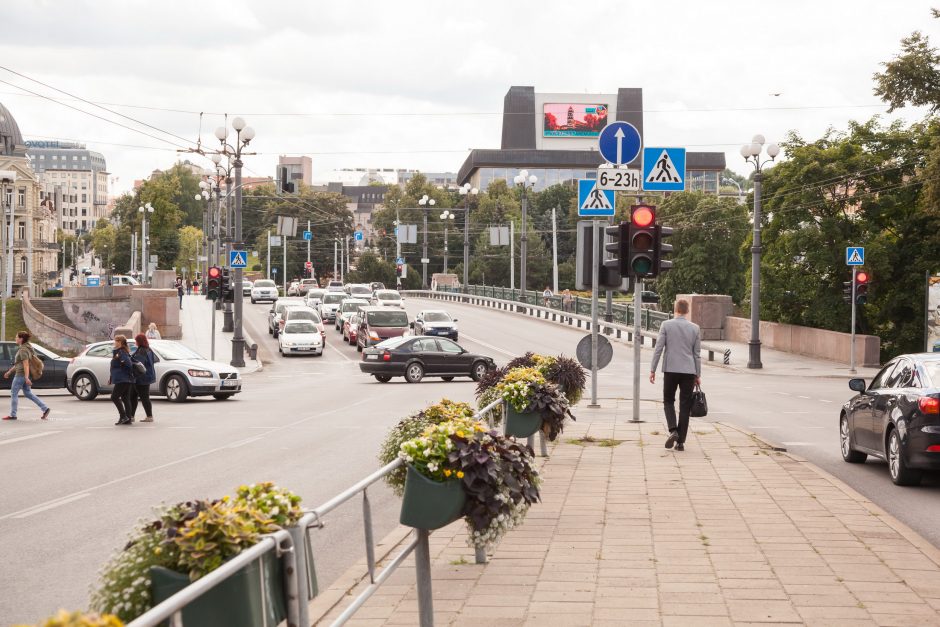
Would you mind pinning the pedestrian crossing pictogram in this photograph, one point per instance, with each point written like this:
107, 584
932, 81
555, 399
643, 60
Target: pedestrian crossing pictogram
664, 171
593, 201
855, 256
238, 259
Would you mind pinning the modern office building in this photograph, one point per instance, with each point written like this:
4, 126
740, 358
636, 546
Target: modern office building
78, 175
295, 170
361, 201
554, 136
34, 248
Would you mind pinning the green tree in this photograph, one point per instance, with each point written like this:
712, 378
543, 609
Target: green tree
912, 77
190, 243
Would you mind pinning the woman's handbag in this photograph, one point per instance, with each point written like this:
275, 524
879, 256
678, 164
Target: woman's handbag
699, 403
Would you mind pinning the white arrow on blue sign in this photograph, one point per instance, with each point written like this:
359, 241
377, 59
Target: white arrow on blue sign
855, 256
619, 143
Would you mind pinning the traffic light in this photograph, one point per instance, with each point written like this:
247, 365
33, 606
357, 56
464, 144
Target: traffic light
214, 283
847, 291
641, 243
660, 249
862, 279
228, 293
398, 269
617, 235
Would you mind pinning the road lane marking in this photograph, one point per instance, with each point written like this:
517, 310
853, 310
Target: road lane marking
338, 352
783, 393
822, 400
806, 397
489, 346
51, 505
245, 441
28, 437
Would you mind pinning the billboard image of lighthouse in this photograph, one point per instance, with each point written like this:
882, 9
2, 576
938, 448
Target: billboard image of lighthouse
574, 119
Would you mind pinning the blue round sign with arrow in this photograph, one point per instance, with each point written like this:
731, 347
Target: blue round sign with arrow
619, 143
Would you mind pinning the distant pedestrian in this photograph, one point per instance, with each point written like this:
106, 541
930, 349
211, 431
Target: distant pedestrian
21, 377
122, 378
179, 291
152, 332
679, 344
547, 297
195, 286
142, 380
566, 300
189, 286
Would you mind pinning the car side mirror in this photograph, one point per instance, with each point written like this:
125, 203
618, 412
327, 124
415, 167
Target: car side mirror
411, 325
455, 319
857, 385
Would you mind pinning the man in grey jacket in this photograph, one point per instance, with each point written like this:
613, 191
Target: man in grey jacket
679, 345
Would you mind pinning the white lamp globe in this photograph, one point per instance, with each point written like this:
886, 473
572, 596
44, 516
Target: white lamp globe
248, 134
203, 185
755, 149
238, 123
463, 191
746, 151
216, 158
533, 179
474, 191
758, 139
518, 179
221, 133
443, 216
431, 202
773, 150
198, 196
524, 174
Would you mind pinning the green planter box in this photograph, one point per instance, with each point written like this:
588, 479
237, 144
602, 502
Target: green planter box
522, 424
430, 504
246, 599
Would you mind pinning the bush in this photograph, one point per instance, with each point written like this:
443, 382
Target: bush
256, 267
52, 294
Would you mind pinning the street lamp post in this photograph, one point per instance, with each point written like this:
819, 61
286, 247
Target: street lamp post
426, 204
467, 191
447, 216
243, 136
524, 181
144, 211
752, 154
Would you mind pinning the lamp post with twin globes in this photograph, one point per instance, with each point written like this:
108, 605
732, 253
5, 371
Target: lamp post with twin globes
525, 182
426, 203
467, 191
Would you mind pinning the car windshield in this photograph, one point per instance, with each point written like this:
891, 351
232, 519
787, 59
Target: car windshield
315, 293
933, 371
388, 318
389, 296
394, 342
302, 314
171, 351
284, 304
309, 282
333, 299
302, 326
436, 316
264, 283
359, 289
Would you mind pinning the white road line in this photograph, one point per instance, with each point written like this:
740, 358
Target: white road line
51, 505
762, 427
806, 397
489, 346
28, 437
783, 393
245, 441
337, 351
822, 400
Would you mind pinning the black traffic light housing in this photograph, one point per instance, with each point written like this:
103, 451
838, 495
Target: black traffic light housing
214, 283
398, 269
614, 267
661, 249
640, 260
228, 293
862, 279
847, 291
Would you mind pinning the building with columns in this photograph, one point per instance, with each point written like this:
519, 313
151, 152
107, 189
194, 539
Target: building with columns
35, 251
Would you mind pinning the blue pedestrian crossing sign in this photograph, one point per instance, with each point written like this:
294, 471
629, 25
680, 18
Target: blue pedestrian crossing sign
855, 256
664, 169
594, 202
358, 236
619, 143
308, 235
238, 259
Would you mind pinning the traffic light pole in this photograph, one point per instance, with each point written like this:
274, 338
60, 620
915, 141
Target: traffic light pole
596, 239
854, 307
238, 340
637, 347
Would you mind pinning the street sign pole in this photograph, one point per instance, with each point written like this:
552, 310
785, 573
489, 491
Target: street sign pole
854, 305
637, 311
284, 267
308, 245
269, 254
212, 352
596, 242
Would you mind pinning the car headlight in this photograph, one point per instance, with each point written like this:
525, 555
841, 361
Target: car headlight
288, 343
203, 374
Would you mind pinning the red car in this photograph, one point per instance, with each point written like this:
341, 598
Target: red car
351, 329
380, 323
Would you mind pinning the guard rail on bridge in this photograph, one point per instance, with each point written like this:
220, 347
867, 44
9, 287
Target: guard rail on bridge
621, 325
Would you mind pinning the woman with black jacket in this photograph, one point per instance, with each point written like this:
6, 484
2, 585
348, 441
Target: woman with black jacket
143, 355
122, 377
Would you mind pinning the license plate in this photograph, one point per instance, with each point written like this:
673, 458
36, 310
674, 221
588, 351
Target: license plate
372, 356
229, 383
303, 348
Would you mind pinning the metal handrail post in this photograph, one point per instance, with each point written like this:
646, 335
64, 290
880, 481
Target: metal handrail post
370, 543
423, 578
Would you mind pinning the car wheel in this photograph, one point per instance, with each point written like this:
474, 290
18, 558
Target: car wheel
897, 466
845, 440
175, 389
222, 397
270, 331
84, 387
448, 378
358, 347
253, 301
478, 370
414, 372
382, 378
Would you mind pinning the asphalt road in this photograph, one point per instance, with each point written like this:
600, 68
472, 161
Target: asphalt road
74, 487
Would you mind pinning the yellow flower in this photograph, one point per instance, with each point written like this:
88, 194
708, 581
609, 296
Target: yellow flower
479, 428
459, 433
157, 551
447, 472
460, 474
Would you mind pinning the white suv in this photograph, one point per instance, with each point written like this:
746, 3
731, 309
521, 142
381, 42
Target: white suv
264, 289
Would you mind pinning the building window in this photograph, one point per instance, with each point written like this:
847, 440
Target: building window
84, 197
20, 230
22, 265
42, 157
55, 157
21, 197
84, 158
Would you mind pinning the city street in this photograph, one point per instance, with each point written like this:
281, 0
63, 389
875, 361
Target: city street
76, 485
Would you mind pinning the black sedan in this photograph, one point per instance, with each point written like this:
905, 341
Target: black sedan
896, 418
417, 357
53, 367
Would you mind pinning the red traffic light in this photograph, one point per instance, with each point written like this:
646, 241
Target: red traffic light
215, 272
642, 216
861, 277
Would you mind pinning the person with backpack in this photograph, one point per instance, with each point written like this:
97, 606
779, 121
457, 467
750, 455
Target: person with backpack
26, 366
122, 378
145, 375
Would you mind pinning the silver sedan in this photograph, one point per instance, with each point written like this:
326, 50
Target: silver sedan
181, 373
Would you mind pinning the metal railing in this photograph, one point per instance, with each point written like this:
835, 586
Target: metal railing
280, 541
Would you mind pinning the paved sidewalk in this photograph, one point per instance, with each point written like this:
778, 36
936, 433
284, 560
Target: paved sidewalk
728, 532
782, 364
196, 321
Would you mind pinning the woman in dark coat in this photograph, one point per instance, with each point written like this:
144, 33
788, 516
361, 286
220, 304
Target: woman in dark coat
122, 378
143, 354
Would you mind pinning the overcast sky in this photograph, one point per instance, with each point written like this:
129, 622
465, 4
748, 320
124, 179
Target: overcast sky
417, 84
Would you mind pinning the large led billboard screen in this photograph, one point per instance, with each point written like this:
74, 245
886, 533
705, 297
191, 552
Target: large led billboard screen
574, 119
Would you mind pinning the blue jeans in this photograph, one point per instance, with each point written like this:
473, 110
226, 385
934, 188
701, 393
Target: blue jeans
19, 385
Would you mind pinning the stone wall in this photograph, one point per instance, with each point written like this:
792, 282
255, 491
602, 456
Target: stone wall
709, 311
97, 311
807, 341
131, 328
160, 306
51, 333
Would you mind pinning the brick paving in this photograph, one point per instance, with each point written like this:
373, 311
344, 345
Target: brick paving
728, 532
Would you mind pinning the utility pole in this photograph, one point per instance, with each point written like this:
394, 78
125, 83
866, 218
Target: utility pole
854, 306
308, 249
609, 313
595, 239
228, 315
424, 253
269, 255
554, 253
512, 255
284, 268
335, 258
397, 246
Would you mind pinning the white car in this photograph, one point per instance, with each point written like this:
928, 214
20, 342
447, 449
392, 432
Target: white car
124, 279
330, 303
335, 286
348, 308
300, 337
246, 287
435, 322
314, 296
264, 289
387, 298
293, 289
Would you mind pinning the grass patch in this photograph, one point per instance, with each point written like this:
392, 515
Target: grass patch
592, 441
16, 323
459, 562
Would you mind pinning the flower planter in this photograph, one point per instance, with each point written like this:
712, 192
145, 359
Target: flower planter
429, 504
522, 424
246, 599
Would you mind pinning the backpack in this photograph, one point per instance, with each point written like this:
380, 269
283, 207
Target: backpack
35, 364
